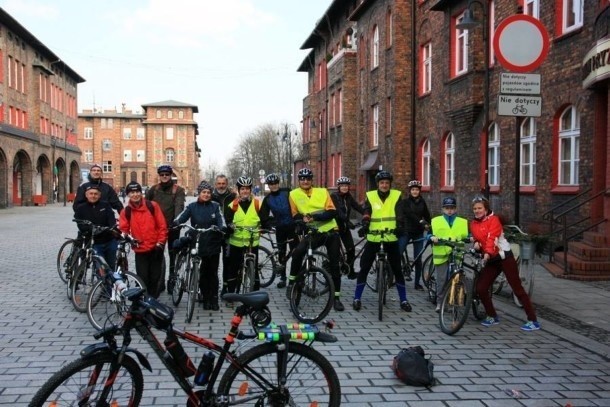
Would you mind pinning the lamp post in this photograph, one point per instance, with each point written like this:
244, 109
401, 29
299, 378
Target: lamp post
468, 23
287, 139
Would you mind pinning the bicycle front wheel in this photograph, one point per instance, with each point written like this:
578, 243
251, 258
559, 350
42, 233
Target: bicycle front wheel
456, 303
180, 276
429, 278
83, 382
106, 306
82, 282
266, 266
381, 287
64, 259
255, 379
312, 295
247, 280
192, 291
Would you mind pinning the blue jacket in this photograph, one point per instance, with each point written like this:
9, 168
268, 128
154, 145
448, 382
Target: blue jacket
278, 204
204, 215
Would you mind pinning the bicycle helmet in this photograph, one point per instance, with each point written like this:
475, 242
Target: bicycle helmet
381, 175
414, 184
244, 182
133, 186
165, 168
449, 201
344, 181
305, 173
272, 179
204, 185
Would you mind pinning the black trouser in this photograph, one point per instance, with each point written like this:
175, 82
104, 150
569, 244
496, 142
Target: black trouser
234, 263
348, 243
208, 278
285, 237
368, 257
149, 267
332, 241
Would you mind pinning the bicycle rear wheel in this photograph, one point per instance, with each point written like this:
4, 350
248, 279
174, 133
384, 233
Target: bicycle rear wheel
82, 381
371, 279
181, 272
381, 286
64, 258
267, 266
82, 282
456, 303
255, 380
191, 291
107, 306
429, 278
312, 295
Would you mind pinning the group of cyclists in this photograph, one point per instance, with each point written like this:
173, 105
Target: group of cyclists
403, 220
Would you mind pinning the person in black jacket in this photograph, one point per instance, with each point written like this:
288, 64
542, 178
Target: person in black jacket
204, 213
99, 213
224, 195
108, 194
345, 202
413, 219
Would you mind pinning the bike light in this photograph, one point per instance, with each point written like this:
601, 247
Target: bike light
243, 389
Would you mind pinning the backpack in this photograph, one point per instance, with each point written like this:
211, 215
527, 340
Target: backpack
412, 368
149, 205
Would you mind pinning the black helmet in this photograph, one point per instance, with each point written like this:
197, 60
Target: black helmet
272, 179
449, 201
133, 186
383, 175
414, 184
305, 173
204, 185
165, 168
343, 180
244, 182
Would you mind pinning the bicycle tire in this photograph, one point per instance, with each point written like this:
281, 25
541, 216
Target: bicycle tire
63, 256
248, 277
105, 305
407, 270
181, 271
527, 281
381, 287
456, 303
192, 291
68, 383
429, 278
371, 278
312, 295
310, 378
267, 266
82, 282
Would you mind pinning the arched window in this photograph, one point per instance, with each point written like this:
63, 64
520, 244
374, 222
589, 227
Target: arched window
180, 114
426, 163
493, 155
158, 113
569, 146
170, 114
170, 155
528, 153
388, 29
448, 163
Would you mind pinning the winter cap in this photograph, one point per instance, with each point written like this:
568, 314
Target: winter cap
96, 166
133, 186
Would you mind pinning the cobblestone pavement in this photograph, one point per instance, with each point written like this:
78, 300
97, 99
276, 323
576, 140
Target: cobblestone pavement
478, 366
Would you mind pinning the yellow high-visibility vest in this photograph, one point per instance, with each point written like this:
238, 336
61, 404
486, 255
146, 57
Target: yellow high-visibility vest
313, 204
442, 230
241, 238
383, 215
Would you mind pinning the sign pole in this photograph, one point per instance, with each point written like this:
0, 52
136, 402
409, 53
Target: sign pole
518, 122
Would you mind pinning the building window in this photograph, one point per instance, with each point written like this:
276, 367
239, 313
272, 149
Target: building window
572, 15
569, 146
339, 107
110, 123
107, 166
169, 155
170, 114
158, 113
375, 48
493, 155
528, 153
127, 133
531, 8
103, 124
448, 167
426, 163
140, 133
180, 114
332, 110
107, 144
88, 156
169, 133
127, 156
140, 156
88, 135
375, 124
426, 69
460, 48
388, 29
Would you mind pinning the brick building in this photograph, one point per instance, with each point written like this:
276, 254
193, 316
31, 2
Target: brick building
130, 146
38, 117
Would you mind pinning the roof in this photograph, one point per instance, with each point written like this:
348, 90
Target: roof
171, 103
335, 10
308, 63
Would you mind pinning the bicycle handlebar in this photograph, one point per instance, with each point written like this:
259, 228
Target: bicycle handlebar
212, 228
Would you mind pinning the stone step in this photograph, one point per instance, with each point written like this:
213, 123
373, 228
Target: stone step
579, 269
585, 251
557, 271
594, 239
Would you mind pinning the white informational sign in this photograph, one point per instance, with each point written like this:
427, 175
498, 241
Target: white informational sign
519, 105
520, 83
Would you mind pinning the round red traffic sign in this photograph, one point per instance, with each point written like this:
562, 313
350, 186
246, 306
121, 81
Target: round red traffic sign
521, 43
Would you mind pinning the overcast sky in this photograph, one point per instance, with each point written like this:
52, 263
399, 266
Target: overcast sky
235, 59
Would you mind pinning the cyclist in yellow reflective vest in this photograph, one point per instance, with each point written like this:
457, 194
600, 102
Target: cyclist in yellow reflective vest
380, 214
314, 206
447, 226
242, 211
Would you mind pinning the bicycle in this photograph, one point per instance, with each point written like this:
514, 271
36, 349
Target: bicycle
66, 256
105, 304
186, 271
278, 372
526, 270
247, 276
459, 290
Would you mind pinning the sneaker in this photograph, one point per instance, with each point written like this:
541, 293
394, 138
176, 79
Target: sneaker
339, 305
405, 306
282, 283
489, 321
419, 287
530, 326
352, 275
408, 277
356, 305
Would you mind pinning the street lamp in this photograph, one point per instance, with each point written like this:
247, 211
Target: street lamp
469, 22
287, 139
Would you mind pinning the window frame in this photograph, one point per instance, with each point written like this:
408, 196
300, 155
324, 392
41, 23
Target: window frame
571, 135
493, 155
426, 164
375, 125
529, 129
426, 68
448, 162
460, 47
375, 48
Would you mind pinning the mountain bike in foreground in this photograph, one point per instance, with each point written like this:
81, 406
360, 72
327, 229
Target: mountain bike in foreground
278, 372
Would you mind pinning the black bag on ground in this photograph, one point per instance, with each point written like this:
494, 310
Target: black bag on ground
412, 368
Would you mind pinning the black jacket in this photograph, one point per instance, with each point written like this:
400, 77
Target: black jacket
344, 205
409, 214
100, 214
204, 215
108, 195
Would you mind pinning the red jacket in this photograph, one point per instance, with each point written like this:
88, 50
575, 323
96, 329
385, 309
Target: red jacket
485, 231
149, 229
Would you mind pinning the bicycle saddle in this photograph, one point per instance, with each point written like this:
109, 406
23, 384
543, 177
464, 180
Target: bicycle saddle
254, 299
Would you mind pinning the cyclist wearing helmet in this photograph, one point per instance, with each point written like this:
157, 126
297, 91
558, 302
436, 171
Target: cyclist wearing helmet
242, 211
170, 198
345, 202
413, 219
380, 214
314, 206
205, 213
275, 211
445, 226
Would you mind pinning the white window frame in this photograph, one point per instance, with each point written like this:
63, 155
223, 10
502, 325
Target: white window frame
527, 154
427, 68
170, 155
127, 133
375, 48
88, 133
107, 166
493, 155
127, 157
375, 129
140, 133
140, 156
169, 133
106, 144
426, 162
449, 161
575, 7
180, 114
532, 8
88, 156
461, 48
170, 114
569, 138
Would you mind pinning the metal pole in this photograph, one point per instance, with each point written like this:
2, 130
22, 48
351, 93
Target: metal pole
486, 95
65, 166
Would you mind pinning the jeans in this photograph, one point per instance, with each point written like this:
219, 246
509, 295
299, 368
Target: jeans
418, 246
107, 251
